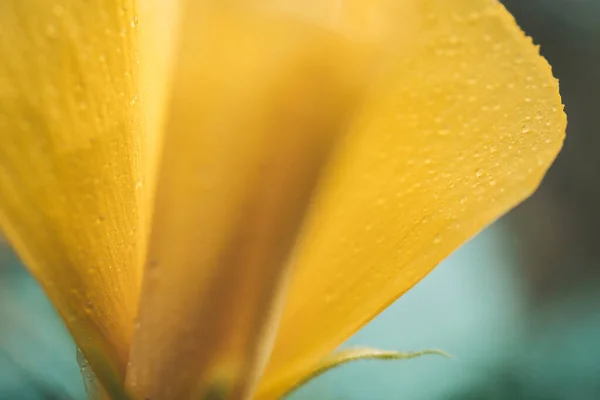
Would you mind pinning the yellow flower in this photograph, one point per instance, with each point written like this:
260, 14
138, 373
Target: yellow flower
348, 145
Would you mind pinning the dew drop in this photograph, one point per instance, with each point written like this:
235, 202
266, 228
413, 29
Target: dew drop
479, 172
525, 129
437, 239
89, 308
135, 23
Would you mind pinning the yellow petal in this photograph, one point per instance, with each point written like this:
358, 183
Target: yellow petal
345, 356
462, 127
243, 149
73, 162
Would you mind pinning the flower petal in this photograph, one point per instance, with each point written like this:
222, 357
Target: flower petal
461, 128
244, 146
73, 162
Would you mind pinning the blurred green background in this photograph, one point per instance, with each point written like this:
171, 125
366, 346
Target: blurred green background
518, 307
